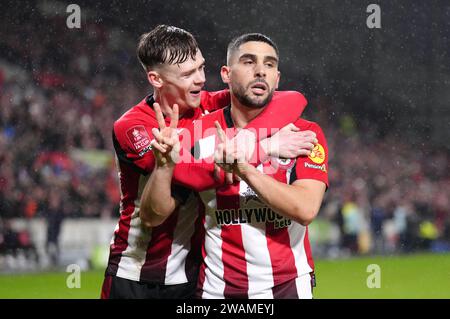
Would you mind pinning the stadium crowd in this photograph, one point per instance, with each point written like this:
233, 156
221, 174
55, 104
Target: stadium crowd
61, 91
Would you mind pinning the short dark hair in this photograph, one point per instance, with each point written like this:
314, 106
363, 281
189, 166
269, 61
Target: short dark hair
248, 37
166, 44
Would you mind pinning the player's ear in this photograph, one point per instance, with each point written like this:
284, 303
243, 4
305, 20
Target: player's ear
225, 74
278, 80
154, 78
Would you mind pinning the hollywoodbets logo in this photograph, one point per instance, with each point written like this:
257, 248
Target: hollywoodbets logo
228, 217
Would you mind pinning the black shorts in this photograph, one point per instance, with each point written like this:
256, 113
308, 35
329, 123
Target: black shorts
119, 288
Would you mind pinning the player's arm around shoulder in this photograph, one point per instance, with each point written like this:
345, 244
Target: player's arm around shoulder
212, 101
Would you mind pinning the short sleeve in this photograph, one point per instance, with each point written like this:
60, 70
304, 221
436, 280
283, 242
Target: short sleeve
314, 166
132, 144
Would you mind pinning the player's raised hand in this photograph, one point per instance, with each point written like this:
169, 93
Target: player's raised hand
245, 141
221, 157
228, 155
166, 146
229, 177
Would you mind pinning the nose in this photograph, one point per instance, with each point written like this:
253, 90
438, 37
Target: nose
200, 77
260, 71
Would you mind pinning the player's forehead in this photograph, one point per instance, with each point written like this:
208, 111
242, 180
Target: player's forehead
189, 64
256, 48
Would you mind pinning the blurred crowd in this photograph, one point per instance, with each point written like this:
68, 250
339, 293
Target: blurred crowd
74, 89
386, 195
61, 91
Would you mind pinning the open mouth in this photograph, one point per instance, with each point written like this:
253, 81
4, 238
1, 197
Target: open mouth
258, 88
195, 93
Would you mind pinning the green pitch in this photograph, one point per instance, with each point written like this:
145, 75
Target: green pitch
414, 276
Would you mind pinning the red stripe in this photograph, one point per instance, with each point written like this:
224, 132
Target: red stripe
159, 249
106, 287
129, 187
279, 245
233, 253
202, 273
193, 257
201, 278
287, 290
281, 256
308, 252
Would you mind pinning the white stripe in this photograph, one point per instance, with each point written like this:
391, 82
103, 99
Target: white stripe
257, 255
303, 284
214, 284
297, 236
181, 244
133, 258
114, 234
259, 266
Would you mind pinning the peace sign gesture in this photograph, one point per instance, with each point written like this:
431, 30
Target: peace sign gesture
233, 155
166, 145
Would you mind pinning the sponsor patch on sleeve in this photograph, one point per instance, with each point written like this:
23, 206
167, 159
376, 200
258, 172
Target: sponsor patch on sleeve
317, 157
317, 154
140, 139
322, 167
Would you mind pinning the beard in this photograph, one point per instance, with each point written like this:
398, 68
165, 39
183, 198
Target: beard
239, 91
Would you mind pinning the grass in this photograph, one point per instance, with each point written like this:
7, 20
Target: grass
413, 276
50, 286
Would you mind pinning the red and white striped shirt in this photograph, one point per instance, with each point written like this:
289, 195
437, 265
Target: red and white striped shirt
250, 251
170, 253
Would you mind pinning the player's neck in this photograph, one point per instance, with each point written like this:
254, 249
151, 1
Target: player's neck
241, 114
165, 104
